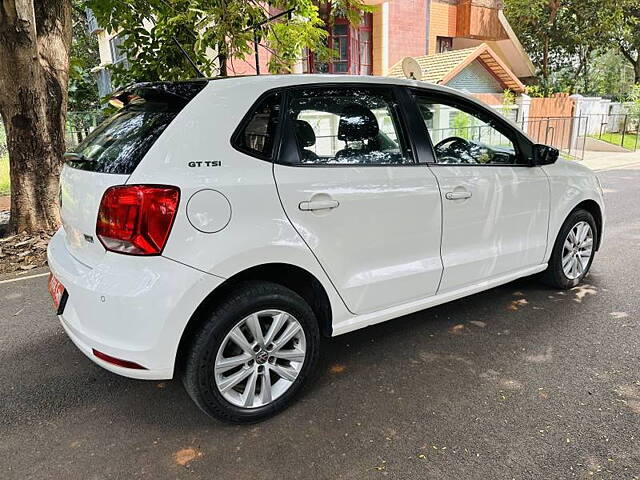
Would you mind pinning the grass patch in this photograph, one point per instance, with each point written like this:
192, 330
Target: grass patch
630, 139
5, 185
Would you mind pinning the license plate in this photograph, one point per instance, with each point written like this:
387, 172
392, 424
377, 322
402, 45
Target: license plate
56, 290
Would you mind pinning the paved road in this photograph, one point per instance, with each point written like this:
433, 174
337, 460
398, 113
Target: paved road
518, 382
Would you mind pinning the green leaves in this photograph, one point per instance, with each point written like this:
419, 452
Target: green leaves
213, 32
83, 94
563, 37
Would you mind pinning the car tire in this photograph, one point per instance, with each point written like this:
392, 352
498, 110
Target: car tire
219, 338
556, 274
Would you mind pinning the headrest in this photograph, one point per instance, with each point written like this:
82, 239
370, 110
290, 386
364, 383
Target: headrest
305, 134
357, 123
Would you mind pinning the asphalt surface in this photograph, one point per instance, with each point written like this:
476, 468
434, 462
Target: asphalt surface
518, 382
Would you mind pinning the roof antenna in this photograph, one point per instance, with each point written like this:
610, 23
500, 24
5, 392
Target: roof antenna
199, 74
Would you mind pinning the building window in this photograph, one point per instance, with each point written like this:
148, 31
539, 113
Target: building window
117, 53
353, 46
444, 44
365, 44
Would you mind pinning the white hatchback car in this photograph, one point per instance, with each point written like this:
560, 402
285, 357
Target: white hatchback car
215, 229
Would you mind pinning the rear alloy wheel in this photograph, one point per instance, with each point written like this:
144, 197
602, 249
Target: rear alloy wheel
573, 251
260, 358
252, 354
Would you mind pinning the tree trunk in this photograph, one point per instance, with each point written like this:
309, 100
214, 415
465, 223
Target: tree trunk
35, 38
633, 60
222, 59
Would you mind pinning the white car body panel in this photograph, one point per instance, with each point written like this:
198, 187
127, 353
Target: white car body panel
128, 307
381, 245
570, 184
137, 308
80, 193
500, 229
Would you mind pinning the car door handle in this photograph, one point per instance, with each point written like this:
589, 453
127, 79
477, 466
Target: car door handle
457, 195
312, 205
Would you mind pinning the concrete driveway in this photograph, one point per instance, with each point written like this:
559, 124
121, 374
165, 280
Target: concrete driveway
519, 382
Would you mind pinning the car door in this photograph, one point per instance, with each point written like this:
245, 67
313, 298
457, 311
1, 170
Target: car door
350, 184
495, 206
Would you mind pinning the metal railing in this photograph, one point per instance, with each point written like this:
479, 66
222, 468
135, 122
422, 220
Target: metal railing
622, 129
81, 124
564, 133
567, 134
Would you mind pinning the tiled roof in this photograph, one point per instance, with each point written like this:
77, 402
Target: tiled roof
443, 67
435, 67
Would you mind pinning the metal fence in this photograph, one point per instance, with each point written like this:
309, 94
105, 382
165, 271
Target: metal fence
567, 134
622, 129
81, 124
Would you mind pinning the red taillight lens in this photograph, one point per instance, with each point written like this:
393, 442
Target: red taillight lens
137, 219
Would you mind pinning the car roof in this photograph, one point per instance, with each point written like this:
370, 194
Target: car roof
274, 81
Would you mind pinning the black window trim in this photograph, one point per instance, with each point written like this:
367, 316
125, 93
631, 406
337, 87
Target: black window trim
524, 147
237, 133
286, 145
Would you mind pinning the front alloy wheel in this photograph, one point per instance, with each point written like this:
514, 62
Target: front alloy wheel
573, 251
577, 250
260, 358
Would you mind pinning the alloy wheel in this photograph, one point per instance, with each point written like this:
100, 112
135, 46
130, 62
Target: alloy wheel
577, 250
260, 358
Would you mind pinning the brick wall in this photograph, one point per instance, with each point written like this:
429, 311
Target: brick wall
407, 29
443, 22
247, 66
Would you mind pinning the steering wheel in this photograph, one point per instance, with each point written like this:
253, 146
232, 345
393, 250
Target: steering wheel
464, 144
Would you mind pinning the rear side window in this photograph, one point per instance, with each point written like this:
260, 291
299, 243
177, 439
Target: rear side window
257, 135
120, 142
348, 126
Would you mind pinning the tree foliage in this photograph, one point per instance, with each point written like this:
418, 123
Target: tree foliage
563, 34
213, 32
83, 92
573, 43
628, 33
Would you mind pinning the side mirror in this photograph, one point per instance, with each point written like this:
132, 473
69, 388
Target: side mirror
544, 154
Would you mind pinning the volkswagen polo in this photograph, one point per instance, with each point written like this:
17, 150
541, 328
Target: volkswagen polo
214, 230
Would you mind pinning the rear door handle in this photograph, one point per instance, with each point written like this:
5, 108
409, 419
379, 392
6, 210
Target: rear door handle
313, 205
457, 195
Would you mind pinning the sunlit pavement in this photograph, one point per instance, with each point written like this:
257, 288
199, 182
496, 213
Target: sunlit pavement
518, 382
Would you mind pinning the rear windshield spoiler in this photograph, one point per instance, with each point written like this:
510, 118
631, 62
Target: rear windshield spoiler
176, 94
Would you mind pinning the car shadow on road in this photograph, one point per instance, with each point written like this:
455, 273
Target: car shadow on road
458, 343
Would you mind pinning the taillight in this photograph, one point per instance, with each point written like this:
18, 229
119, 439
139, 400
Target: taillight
137, 219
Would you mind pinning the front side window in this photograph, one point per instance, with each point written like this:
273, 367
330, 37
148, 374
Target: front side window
346, 126
258, 135
463, 136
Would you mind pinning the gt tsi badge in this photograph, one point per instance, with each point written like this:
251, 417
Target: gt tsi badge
205, 163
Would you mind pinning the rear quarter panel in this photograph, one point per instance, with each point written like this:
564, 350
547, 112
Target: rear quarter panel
258, 231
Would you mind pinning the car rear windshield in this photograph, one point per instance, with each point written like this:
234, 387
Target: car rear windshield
120, 142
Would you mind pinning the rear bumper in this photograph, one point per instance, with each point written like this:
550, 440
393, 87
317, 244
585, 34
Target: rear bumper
131, 308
